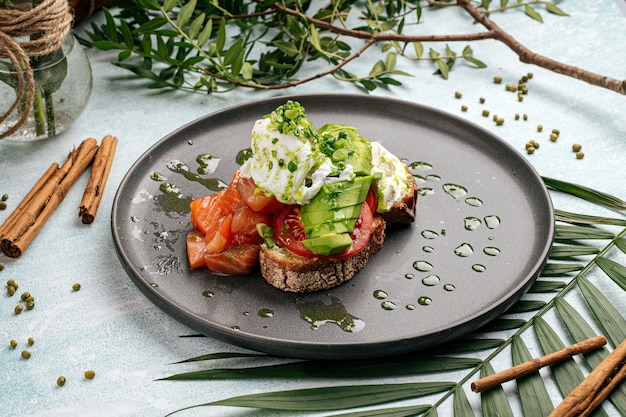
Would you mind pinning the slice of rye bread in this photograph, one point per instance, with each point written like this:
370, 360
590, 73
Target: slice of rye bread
294, 273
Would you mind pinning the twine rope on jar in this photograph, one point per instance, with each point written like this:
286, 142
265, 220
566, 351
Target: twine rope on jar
49, 22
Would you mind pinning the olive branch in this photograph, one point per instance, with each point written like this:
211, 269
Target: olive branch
207, 46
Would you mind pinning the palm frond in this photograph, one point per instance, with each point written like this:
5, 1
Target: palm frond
581, 248
586, 193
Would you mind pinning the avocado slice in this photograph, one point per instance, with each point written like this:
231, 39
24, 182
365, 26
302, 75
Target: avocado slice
343, 145
338, 195
329, 227
327, 245
318, 217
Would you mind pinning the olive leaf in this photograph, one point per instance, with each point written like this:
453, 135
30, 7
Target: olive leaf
207, 46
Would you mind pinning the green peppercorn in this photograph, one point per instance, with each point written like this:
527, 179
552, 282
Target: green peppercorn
500, 121
525, 117
520, 97
10, 290
5, 197
12, 283
580, 155
1, 266
482, 99
458, 94
13, 344
3, 205
25, 295
553, 137
539, 128
18, 309
464, 108
486, 113
495, 117
507, 87
25, 354
524, 78
530, 150
76, 287
497, 79
90, 374
557, 131
577, 147
516, 116
535, 144
31, 341
30, 305
61, 381
529, 75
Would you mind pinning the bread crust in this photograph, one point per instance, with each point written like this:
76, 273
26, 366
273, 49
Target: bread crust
293, 273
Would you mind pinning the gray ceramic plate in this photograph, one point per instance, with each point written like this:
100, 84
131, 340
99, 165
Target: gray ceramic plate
482, 234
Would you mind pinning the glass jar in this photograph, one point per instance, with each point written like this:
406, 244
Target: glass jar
63, 83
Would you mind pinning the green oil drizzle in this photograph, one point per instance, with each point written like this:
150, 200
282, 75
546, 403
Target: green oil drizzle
420, 166
433, 177
424, 301
464, 250
213, 184
388, 305
431, 280
471, 223
380, 295
266, 312
428, 249
430, 234
410, 307
157, 176
317, 313
172, 199
474, 201
425, 191
409, 276
422, 266
243, 155
455, 191
449, 287
492, 221
479, 268
491, 251
208, 293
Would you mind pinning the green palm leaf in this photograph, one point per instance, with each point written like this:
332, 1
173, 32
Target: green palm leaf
614, 270
594, 196
533, 394
573, 258
494, 401
461, 406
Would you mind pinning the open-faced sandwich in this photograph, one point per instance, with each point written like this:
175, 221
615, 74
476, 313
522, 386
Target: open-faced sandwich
310, 206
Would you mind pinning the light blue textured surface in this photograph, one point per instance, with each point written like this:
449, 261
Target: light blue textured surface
110, 327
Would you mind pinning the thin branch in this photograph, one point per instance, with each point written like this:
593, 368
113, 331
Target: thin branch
529, 57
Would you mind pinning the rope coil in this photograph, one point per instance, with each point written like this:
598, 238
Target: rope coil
49, 22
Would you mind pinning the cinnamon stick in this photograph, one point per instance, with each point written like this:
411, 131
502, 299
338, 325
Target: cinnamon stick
9, 221
595, 387
39, 208
534, 365
97, 180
